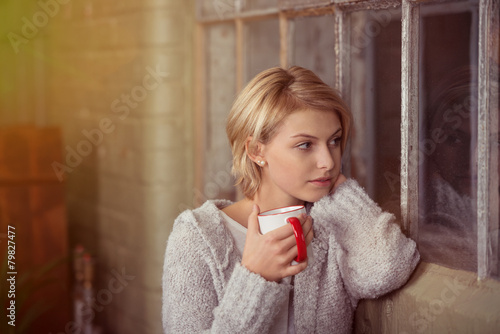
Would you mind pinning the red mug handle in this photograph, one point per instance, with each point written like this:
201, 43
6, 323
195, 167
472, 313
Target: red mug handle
299, 238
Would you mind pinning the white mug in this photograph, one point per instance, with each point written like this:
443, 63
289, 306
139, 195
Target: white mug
272, 219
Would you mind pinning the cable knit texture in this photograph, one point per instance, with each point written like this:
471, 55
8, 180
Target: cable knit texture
359, 252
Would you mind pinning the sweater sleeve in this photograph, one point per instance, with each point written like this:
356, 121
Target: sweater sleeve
374, 256
196, 298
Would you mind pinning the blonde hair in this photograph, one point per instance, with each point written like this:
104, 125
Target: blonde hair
263, 104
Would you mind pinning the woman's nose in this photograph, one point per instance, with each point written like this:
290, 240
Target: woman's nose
325, 159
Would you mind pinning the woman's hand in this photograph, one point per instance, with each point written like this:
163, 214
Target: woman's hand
270, 255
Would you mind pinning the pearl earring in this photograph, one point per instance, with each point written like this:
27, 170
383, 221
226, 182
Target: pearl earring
261, 162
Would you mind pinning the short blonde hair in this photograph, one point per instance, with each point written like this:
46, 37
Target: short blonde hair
263, 104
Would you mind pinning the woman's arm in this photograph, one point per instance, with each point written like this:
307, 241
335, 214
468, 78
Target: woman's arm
374, 257
196, 297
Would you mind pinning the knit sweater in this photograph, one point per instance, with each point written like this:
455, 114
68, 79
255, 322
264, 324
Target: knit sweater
359, 252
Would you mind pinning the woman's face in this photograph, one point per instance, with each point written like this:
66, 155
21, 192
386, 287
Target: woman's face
303, 159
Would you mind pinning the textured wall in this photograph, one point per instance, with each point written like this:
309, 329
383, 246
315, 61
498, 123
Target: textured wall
119, 82
22, 76
436, 300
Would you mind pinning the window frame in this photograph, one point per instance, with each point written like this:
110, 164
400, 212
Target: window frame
340, 9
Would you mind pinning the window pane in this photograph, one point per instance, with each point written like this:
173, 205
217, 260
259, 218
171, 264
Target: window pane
376, 104
314, 46
221, 83
448, 138
262, 49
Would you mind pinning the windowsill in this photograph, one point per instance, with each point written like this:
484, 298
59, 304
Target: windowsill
436, 299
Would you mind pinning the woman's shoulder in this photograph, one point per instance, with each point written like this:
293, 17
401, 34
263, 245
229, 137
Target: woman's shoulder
204, 215
201, 226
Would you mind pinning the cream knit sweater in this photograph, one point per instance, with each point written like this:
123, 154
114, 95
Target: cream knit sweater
359, 252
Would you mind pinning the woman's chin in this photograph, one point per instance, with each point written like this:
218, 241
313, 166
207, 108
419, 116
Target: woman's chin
316, 197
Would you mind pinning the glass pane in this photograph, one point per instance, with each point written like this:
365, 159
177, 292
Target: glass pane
220, 85
448, 138
314, 46
262, 47
261, 4
215, 8
376, 104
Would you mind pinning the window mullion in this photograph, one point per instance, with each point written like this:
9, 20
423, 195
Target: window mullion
200, 109
284, 40
483, 145
342, 53
409, 117
240, 54
343, 68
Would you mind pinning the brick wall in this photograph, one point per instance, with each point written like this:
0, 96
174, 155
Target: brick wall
21, 67
120, 85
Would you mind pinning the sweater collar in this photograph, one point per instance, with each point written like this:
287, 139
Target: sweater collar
209, 221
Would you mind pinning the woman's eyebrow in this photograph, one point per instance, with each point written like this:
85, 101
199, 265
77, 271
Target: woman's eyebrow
305, 135
336, 132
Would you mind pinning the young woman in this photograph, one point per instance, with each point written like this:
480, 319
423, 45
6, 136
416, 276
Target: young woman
287, 131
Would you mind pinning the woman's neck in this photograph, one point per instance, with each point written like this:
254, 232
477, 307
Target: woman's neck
240, 210
268, 201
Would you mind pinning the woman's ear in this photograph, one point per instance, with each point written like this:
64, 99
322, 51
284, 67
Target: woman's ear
254, 151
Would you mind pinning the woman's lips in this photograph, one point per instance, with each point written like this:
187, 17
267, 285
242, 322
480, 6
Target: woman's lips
322, 182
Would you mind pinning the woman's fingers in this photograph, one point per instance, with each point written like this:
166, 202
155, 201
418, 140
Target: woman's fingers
308, 230
287, 236
270, 255
283, 237
253, 221
295, 269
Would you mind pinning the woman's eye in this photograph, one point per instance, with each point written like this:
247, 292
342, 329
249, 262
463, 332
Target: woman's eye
304, 146
334, 141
